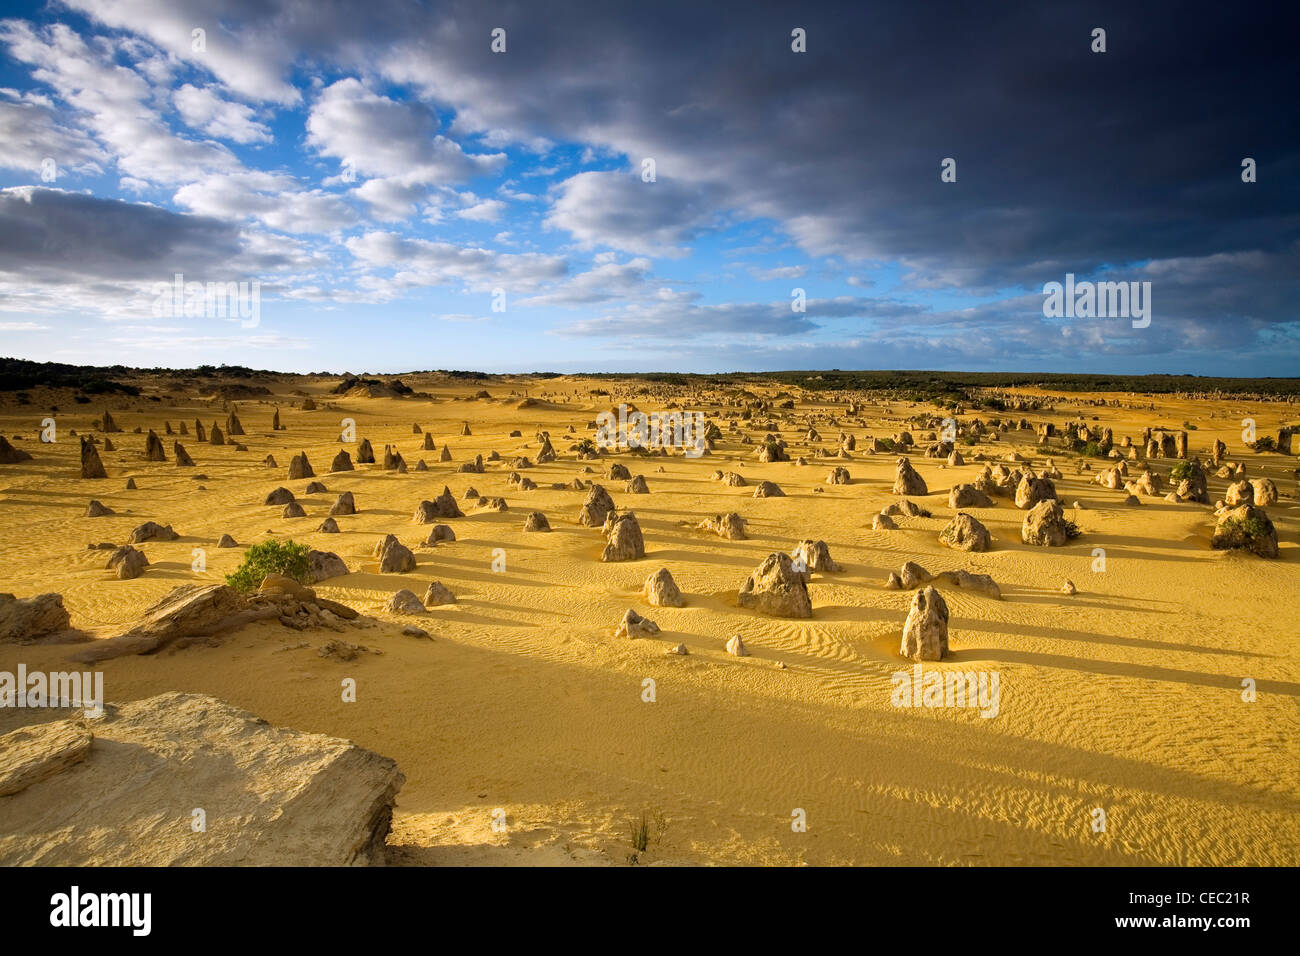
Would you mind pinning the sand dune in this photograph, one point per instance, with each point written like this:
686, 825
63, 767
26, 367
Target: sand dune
1125, 696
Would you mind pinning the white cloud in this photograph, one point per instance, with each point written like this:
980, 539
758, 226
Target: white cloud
204, 110
422, 262
488, 210
251, 61
780, 272
620, 211
275, 199
114, 102
378, 136
608, 280
31, 132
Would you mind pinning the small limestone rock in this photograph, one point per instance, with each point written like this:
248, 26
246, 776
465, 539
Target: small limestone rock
127, 562
405, 602
814, 555
624, 539
661, 590
281, 496
536, 521
776, 588
1045, 524
925, 632
965, 533
908, 481
152, 531
394, 557
595, 508
730, 526
438, 594
634, 625
325, 564
968, 496
299, 467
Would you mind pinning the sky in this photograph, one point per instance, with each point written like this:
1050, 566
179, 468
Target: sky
514, 187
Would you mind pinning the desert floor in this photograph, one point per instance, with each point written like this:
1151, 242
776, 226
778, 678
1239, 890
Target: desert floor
1126, 696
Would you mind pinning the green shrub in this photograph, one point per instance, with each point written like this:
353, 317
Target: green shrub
639, 832
650, 827
1267, 443
1181, 471
271, 557
1249, 527
1091, 450
1189, 426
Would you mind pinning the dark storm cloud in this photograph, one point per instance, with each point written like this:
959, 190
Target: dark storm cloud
70, 252
1067, 160
51, 235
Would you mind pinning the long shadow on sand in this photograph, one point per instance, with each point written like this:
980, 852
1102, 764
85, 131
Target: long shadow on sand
1125, 669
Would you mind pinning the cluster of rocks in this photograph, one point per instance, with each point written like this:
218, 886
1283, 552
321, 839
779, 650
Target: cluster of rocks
729, 525
911, 575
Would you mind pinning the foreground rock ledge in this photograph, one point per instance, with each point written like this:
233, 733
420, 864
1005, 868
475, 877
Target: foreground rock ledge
273, 796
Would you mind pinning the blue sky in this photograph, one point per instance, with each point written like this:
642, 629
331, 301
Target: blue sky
381, 171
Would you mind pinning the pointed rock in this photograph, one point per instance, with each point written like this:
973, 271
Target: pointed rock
925, 632
91, 466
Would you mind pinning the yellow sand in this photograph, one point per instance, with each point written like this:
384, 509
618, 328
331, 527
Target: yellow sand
1126, 696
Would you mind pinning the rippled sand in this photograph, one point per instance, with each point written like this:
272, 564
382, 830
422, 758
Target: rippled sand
1126, 696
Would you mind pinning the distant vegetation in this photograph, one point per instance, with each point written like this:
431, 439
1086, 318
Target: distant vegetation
941, 388
924, 386
352, 381
19, 374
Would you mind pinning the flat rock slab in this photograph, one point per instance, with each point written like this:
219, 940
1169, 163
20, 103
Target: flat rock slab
23, 620
191, 610
272, 796
30, 754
